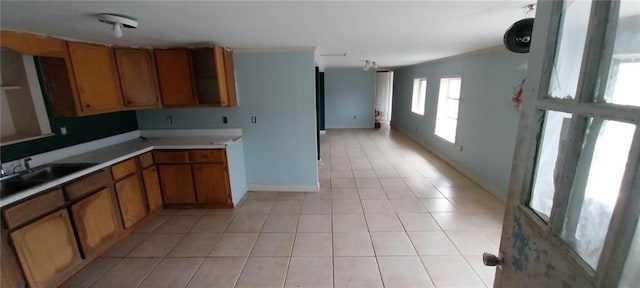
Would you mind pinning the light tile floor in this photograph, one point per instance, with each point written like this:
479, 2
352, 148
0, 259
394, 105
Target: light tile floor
389, 214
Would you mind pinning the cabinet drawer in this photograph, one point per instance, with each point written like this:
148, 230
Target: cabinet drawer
207, 156
171, 157
33, 208
88, 184
146, 159
123, 168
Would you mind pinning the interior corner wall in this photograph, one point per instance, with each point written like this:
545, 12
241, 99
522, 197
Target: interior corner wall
487, 121
278, 88
349, 98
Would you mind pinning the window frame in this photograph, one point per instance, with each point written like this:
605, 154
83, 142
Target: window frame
444, 106
415, 103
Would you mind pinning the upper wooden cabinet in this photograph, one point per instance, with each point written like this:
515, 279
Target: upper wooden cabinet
96, 78
138, 80
230, 77
32, 44
213, 76
85, 79
175, 77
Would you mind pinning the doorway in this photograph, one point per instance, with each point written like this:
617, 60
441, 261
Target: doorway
384, 98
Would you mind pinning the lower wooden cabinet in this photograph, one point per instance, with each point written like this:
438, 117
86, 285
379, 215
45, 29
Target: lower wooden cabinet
194, 178
211, 181
130, 198
96, 221
152, 187
10, 273
46, 248
177, 184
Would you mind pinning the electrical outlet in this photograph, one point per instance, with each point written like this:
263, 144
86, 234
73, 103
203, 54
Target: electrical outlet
254, 119
225, 120
170, 119
63, 130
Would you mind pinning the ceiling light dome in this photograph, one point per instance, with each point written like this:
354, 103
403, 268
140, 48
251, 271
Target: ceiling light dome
118, 22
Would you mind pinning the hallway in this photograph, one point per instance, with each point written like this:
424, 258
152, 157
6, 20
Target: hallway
389, 214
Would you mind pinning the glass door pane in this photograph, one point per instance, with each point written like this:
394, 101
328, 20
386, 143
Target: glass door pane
623, 86
631, 272
596, 186
569, 49
554, 132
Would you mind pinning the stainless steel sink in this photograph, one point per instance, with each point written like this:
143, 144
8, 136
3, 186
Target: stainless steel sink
54, 171
15, 185
39, 175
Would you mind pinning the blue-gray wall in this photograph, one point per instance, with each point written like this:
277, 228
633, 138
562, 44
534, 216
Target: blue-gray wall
349, 92
487, 122
279, 89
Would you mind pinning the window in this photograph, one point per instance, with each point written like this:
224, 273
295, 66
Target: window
419, 94
448, 102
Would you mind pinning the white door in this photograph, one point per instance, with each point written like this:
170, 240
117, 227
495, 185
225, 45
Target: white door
574, 195
384, 95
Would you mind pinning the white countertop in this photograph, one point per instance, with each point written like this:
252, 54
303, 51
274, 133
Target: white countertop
113, 154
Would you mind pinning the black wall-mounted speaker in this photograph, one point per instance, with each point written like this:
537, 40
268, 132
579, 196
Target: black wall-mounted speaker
518, 37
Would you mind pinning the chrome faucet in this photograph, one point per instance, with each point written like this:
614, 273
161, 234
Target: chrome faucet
27, 167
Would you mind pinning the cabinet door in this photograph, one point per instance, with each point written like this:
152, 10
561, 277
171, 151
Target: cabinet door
96, 220
10, 273
56, 74
175, 77
96, 78
212, 183
132, 207
177, 184
152, 186
46, 248
137, 78
230, 78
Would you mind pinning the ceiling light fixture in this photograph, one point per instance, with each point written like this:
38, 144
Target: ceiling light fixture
118, 22
368, 64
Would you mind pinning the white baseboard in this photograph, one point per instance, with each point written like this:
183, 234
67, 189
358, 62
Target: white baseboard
322, 132
283, 188
502, 195
351, 127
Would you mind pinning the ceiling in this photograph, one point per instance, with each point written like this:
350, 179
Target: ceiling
391, 33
